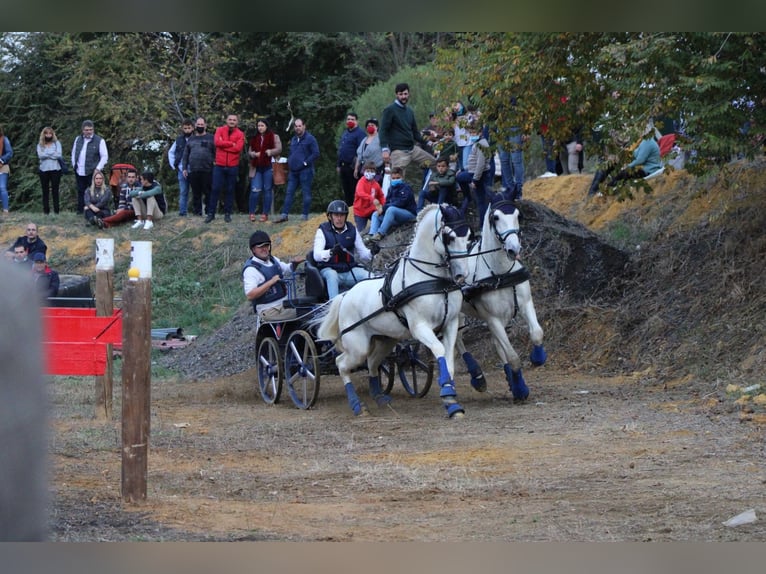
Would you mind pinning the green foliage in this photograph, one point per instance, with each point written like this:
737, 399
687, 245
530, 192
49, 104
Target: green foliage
616, 82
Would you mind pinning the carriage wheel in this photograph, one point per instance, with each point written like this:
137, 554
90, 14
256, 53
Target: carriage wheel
269, 370
386, 372
416, 371
302, 369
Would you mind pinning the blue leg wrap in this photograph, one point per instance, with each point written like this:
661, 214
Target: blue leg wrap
538, 355
376, 391
453, 408
516, 382
444, 374
478, 381
353, 399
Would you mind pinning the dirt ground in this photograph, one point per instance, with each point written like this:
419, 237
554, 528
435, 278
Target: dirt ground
597, 453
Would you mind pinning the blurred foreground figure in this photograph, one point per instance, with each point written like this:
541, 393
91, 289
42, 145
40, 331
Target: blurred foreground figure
23, 403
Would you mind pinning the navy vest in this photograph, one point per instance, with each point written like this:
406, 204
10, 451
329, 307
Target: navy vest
277, 291
92, 154
346, 239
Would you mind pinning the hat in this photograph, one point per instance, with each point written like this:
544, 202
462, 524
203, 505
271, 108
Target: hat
258, 238
38, 256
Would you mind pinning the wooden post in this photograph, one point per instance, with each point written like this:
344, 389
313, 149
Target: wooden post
136, 381
105, 308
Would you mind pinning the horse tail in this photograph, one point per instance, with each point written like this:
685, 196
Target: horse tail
329, 328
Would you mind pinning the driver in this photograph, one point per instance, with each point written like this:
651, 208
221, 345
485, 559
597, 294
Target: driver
263, 277
337, 246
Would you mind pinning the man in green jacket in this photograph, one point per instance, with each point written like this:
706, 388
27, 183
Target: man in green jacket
399, 133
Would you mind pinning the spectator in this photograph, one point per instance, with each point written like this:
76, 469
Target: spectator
263, 276
447, 148
21, 255
6, 153
350, 140
117, 175
471, 179
98, 199
89, 153
646, 160
460, 120
304, 151
262, 148
124, 210
399, 207
399, 133
45, 278
369, 151
441, 186
511, 155
50, 154
148, 202
337, 247
31, 240
368, 194
229, 143
175, 155
571, 155
197, 164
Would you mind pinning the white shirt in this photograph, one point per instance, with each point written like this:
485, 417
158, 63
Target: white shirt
361, 252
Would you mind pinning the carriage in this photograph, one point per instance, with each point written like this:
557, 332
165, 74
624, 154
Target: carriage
290, 355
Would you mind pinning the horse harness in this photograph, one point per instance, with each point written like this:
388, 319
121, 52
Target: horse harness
392, 302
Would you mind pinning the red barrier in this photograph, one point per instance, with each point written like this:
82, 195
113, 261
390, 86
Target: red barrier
75, 340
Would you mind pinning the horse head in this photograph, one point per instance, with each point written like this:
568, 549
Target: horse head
455, 236
502, 218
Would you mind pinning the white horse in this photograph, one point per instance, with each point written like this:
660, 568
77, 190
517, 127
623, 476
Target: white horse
496, 288
419, 298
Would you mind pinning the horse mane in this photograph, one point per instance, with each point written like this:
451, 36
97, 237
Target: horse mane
423, 212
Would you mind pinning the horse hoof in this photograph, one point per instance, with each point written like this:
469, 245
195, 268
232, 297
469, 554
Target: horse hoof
457, 416
363, 412
479, 383
383, 400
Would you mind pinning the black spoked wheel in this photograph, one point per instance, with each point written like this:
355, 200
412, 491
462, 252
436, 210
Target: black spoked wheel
302, 369
415, 367
386, 374
269, 370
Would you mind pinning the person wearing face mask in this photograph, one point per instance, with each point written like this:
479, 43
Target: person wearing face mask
367, 197
399, 208
471, 179
369, 150
197, 164
350, 139
49, 152
337, 246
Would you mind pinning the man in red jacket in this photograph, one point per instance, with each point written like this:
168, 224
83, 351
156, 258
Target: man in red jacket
229, 143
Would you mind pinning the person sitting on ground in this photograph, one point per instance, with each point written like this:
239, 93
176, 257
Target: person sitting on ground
148, 202
368, 191
31, 240
399, 208
98, 200
125, 205
441, 186
21, 255
337, 245
45, 278
263, 276
646, 160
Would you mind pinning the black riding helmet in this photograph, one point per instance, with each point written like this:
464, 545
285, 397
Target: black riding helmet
337, 206
259, 237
